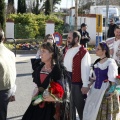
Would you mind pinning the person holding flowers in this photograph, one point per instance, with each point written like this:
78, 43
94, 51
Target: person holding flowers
49, 89
102, 102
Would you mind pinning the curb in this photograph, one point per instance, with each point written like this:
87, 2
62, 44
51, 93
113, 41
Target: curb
25, 51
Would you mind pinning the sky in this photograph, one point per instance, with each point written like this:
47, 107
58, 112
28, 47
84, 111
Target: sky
64, 3
67, 3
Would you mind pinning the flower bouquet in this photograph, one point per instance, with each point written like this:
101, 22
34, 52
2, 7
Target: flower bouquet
54, 89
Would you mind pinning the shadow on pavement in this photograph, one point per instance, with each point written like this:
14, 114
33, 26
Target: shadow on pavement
15, 118
20, 62
25, 74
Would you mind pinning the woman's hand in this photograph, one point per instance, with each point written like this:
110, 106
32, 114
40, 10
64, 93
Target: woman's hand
49, 98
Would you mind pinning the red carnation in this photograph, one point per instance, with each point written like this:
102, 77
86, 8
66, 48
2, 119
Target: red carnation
56, 89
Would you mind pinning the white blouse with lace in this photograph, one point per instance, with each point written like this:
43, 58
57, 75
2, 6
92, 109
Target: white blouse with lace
112, 69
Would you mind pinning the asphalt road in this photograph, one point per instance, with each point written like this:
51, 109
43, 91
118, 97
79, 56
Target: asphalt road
25, 86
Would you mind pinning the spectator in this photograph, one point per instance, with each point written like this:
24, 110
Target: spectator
7, 77
48, 38
114, 46
111, 28
85, 38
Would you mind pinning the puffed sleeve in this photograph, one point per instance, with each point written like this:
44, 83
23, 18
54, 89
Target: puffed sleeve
85, 69
112, 71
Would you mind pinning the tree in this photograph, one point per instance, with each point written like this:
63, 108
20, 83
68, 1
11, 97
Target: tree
85, 7
10, 7
35, 8
2, 14
47, 6
21, 6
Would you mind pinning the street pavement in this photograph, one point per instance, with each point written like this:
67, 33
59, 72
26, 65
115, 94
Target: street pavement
25, 86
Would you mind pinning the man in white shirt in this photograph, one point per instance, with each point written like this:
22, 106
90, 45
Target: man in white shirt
7, 77
114, 45
77, 62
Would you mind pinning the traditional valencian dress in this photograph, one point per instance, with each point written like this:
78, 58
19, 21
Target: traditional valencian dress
97, 106
44, 110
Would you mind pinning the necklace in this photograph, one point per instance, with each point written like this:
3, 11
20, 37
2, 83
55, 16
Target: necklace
47, 68
103, 58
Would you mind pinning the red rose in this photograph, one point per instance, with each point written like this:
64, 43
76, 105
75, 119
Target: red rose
56, 88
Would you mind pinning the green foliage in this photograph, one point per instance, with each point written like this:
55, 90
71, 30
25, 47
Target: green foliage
9, 46
2, 14
33, 26
35, 7
21, 6
47, 7
82, 9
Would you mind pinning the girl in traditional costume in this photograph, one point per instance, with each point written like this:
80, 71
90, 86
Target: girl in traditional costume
102, 102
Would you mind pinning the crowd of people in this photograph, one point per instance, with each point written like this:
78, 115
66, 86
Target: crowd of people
65, 81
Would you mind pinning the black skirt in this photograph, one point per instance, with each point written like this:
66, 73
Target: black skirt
38, 113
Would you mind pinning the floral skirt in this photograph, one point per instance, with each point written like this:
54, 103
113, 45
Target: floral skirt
109, 108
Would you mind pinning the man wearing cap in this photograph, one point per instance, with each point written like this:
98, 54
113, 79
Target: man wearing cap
85, 38
7, 77
111, 28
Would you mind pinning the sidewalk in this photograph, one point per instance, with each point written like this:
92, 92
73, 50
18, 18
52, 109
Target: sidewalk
24, 57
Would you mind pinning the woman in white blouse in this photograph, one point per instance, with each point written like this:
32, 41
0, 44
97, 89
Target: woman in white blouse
102, 102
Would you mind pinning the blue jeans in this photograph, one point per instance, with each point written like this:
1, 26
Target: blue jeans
4, 100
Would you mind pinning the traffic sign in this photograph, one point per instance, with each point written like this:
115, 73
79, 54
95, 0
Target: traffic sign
58, 38
99, 23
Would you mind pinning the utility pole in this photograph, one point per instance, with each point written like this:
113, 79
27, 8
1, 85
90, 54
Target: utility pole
76, 14
106, 20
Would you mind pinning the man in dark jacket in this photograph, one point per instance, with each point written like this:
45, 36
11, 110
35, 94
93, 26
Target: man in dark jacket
85, 38
111, 28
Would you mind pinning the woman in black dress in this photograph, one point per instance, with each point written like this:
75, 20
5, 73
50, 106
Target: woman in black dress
43, 74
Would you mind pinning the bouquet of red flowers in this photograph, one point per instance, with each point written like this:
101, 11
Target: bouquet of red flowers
118, 79
54, 89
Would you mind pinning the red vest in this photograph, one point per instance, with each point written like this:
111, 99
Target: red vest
76, 67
